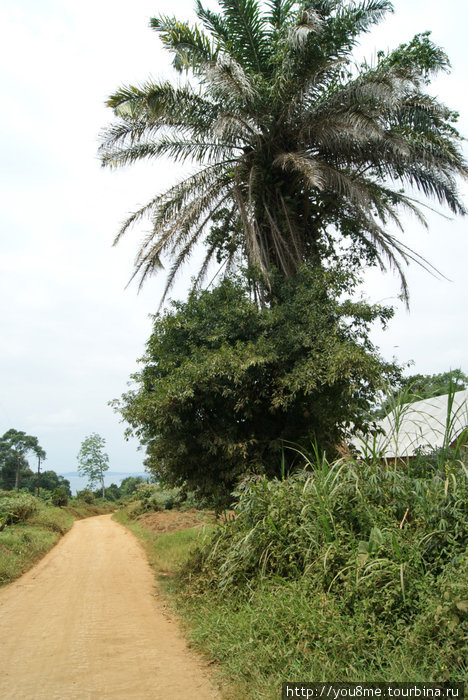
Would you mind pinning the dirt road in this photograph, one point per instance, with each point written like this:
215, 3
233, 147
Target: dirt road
85, 624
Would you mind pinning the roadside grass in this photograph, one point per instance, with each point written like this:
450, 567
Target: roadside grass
348, 571
33, 528
353, 570
166, 552
21, 546
287, 631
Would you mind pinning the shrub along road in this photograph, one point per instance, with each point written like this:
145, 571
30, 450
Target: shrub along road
85, 623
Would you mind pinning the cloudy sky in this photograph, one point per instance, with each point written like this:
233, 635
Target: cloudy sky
70, 333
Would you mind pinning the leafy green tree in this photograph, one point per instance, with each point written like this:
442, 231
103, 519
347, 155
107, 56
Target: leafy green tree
224, 383
92, 461
59, 497
129, 485
425, 386
299, 149
49, 481
8, 468
86, 496
14, 446
112, 492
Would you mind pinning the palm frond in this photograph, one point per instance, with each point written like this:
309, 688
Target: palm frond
290, 135
191, 48
214, 23
279, 13
161, 104
310, 24
234, 128
229, 82
365, 14
185, 251
248, 37
310, 169
165, 207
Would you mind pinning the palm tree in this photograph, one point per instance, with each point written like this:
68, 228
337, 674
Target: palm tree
298, 148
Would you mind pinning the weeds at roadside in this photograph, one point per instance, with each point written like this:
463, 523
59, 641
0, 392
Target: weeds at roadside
349, 570
166, 552
354, 570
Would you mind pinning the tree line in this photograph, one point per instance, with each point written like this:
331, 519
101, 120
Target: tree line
16, 447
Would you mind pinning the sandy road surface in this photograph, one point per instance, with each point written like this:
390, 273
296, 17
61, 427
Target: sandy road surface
85, 624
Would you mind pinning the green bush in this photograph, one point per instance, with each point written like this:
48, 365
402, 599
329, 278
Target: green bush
366, 533
54, 518
59, 497
152, 497
225, 382
165, 499
86, 496
18, 507
326, 569
186, 500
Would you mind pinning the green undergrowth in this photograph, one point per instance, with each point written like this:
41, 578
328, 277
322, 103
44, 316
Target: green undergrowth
31, 528
151, 498
346, 571
285, 630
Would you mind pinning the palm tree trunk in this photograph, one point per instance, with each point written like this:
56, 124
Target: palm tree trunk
18, 470
38, 476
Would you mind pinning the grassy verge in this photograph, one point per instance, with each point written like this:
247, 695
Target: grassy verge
166, 552
284, 630
348, 571
33, 532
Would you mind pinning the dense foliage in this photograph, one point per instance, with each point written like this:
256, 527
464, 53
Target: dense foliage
14, 446
49, 481
127, 488
12, 459
298, 146
151, 497
59, 497
327, 568
225, 383
357, 529
17, 508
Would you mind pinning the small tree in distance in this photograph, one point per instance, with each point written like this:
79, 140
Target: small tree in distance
92, 461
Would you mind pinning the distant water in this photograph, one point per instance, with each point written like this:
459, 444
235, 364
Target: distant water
78, 483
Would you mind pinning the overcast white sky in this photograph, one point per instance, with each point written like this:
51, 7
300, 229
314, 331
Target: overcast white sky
70, 333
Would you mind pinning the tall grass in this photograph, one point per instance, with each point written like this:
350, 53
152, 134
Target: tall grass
353, 569
414, 427
351, 528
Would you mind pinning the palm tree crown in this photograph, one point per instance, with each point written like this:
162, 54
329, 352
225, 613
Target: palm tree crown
297, 147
